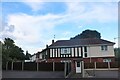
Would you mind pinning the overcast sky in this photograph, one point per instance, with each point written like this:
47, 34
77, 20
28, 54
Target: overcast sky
33, 24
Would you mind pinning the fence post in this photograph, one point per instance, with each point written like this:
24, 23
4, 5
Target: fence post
108, 65
53, 66
65, 69
12, 65
22, 65
37, 66
7, 66
83, 73
95, 65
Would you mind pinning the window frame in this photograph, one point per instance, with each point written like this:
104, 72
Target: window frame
107, 60
65, 51
104, 47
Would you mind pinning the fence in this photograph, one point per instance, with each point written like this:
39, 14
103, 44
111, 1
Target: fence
98, 65
54, 66
33, 66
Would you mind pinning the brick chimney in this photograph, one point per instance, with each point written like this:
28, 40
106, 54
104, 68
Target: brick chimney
46, 46
52, 41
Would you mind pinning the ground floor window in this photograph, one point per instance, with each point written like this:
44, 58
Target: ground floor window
107, 60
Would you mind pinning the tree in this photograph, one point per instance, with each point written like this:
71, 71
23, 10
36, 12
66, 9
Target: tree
117, 53
11, 52
27, 56
88, 34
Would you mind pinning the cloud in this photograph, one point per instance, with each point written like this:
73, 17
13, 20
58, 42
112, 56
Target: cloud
30, 31
30, 28
6, 30
33, 32
116, 43
80, 27
61, 0
66, 33
90, 12
34, 5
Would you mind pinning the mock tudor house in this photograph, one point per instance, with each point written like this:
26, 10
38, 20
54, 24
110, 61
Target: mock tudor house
77, 50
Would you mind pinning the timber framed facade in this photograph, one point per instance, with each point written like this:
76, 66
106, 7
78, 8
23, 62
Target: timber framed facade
78, 50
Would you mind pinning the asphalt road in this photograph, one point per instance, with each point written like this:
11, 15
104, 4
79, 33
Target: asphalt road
107, 74
104, 73
32, 74
40, 74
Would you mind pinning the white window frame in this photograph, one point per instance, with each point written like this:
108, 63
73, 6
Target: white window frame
104, 48
65, 50
107, 60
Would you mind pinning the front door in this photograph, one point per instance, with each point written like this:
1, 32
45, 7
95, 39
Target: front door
78, 67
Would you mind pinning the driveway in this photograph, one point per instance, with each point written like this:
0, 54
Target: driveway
104, 73
32, 74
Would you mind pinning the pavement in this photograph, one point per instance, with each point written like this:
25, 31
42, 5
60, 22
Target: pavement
76, 76
104, 73
32, 74
98, 74
58, 74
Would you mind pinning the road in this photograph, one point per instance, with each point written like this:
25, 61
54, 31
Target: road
32, 74
40, 74
106, 74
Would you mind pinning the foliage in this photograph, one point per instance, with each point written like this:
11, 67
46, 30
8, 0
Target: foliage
117, 53
11, 52
88, 34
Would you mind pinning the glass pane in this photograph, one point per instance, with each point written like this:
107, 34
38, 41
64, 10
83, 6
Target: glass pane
65, 50
78, 64
85, 54
85, 49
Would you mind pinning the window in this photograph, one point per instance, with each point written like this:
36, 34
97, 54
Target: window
104, 47
78, 64
65, 50
106, 60
85, 49
85, 54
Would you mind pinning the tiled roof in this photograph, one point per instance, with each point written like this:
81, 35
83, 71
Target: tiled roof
80, 42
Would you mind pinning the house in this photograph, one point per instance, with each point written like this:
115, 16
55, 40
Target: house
41, 56
32, 58
77, 50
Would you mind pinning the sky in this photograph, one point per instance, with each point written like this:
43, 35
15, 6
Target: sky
33, 24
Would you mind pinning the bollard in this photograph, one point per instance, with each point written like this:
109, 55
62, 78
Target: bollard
53, 66
37, 66
22, 65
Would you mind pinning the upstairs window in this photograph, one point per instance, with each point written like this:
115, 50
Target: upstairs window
104, 48
85, 54
85, 49
65, 50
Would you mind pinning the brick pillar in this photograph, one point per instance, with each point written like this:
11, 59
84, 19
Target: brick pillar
73, 66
